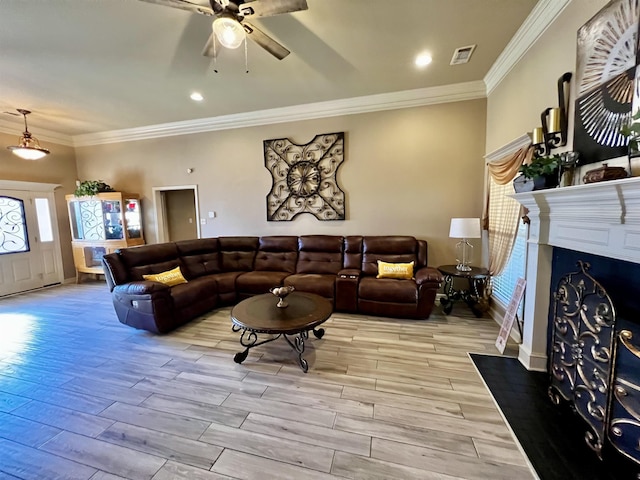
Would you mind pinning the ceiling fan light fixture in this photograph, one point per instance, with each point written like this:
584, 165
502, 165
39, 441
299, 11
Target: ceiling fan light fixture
28, 147
229, 32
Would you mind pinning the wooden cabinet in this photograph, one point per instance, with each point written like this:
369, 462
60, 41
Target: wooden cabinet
101, 224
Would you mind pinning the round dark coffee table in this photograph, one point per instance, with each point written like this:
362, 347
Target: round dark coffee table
259, 314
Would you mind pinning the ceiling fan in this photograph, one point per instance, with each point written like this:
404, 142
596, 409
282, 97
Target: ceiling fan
229, 25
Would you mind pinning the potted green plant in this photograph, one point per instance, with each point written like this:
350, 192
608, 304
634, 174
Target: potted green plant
632, 131
541, 173
91, 187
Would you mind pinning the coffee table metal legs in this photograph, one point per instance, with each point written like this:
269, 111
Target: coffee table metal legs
298, 346
249, 339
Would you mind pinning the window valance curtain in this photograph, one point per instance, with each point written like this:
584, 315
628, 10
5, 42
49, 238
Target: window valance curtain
505, 169
502, 213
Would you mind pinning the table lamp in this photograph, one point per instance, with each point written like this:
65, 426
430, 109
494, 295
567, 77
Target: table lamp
464, 228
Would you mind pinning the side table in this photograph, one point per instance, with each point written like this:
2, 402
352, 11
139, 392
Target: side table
477, 281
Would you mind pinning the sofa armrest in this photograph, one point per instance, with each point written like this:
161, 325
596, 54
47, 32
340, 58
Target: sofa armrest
427, 275
146, 305
144, 287
349, 273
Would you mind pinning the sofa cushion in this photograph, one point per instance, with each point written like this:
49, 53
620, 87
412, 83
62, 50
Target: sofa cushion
225, 281
319, 254
147, 254
277, 254
200, 256
388, 290
196, 291
237, 254
391, 249
137, 273
323, 285
353, 252
255, 283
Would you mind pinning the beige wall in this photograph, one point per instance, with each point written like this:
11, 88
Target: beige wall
514, 106
58, 167
406, 171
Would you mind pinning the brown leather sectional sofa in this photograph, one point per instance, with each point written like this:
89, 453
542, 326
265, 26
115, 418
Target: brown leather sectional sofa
222, 271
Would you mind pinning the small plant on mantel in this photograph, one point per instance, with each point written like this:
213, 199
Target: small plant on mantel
632, 132
91, 188
541, 166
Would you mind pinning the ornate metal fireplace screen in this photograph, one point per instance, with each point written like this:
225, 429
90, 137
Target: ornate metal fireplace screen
595, 365
581, 354
304, 178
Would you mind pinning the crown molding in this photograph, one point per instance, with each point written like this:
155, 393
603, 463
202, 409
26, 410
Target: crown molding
350, 106
508, 149
28, 186
543, 14
12, 128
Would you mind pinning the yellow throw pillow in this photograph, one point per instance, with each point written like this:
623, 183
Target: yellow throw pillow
395, 270
170, 277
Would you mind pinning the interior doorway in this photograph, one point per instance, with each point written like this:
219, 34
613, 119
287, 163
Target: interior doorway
177, 214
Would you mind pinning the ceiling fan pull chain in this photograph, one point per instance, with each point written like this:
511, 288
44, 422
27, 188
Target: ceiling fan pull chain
246, 57
215, 55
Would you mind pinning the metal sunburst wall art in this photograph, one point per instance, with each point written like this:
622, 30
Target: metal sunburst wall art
607, 54
304, 178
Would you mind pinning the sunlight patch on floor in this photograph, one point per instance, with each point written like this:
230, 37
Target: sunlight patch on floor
16, 333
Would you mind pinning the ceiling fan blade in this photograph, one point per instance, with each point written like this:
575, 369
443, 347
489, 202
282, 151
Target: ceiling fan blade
266, 8
265, 41
190, 6
209, 50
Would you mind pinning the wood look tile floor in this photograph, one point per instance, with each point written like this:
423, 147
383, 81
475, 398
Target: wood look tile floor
85, 397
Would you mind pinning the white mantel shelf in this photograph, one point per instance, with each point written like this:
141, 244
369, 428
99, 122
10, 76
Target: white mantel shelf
600, 218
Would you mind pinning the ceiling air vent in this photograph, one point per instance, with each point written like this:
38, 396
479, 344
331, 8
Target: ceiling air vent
462, 55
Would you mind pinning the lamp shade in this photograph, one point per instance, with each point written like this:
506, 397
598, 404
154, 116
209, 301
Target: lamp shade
465, 228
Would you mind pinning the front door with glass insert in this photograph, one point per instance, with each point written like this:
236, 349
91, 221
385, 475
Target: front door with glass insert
28, 247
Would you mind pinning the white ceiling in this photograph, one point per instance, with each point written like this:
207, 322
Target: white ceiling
92, 66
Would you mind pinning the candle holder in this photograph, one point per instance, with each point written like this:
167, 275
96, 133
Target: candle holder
566, 172
281, 293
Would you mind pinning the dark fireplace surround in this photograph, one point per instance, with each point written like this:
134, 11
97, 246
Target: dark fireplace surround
594, 372
596, 225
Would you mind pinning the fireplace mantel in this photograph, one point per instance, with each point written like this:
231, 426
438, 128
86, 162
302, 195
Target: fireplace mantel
598, 218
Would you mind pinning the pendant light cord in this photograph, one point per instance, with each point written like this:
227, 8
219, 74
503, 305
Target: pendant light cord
246, 57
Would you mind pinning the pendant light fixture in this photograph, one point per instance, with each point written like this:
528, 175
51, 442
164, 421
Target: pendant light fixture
28, 147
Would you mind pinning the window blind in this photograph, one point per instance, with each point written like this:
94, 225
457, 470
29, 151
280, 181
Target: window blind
504, 284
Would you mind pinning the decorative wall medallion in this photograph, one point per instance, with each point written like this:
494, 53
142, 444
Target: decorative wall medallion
607, 54
304, 178
599, 115
607, 45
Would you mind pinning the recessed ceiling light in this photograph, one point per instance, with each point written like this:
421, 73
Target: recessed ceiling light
196, 96
423, 60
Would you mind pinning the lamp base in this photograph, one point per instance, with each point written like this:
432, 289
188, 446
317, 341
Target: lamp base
464, 254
